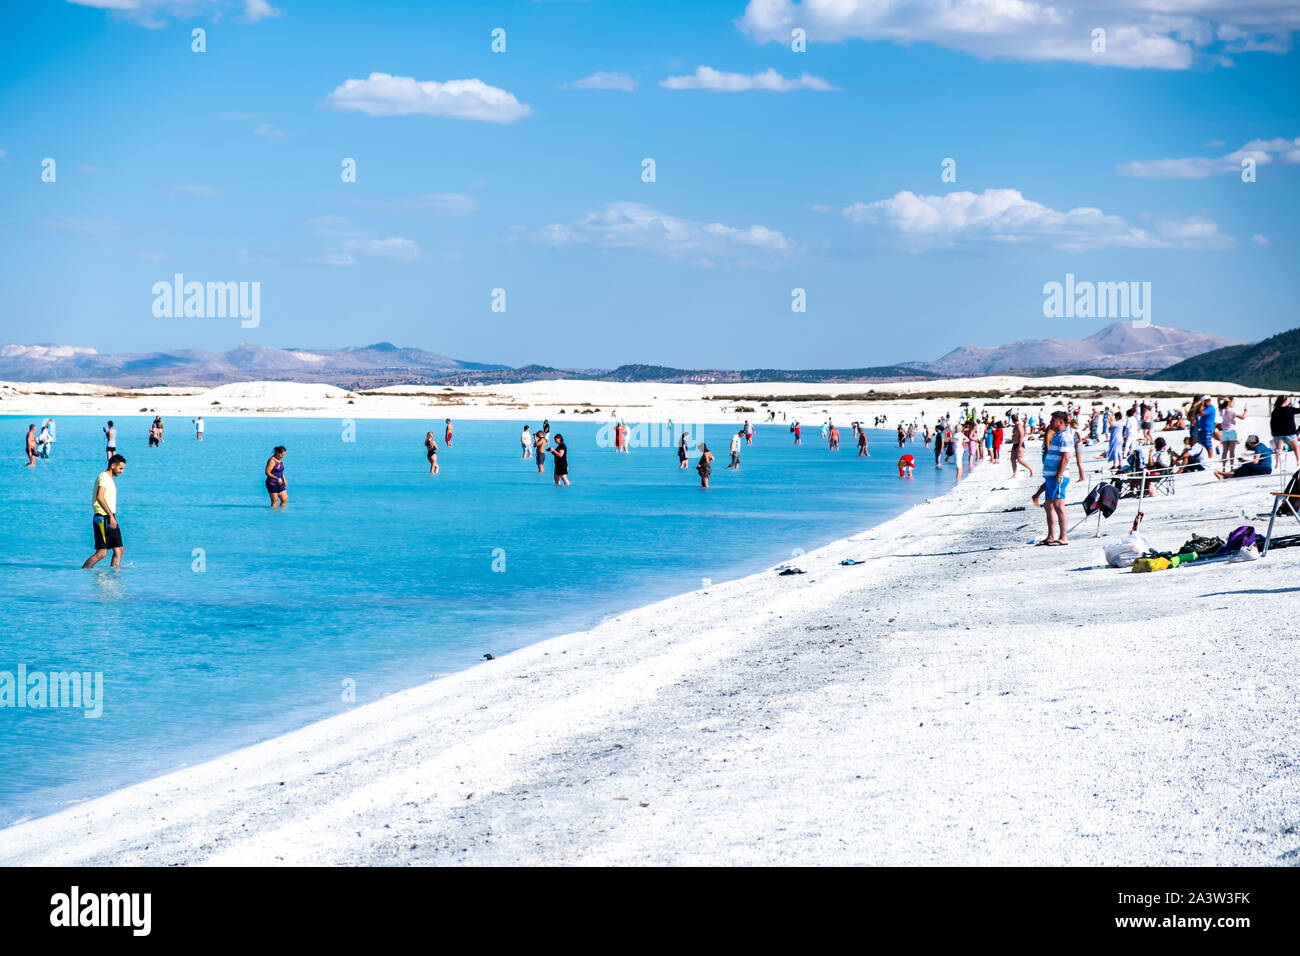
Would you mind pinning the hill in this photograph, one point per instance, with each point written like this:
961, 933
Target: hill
1272, 363
1120, 345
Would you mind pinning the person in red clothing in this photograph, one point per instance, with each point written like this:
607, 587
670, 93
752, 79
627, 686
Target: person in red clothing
997, 440
906, 465
798, 434
446, 438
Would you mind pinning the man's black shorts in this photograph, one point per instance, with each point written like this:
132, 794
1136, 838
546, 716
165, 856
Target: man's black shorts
106, 538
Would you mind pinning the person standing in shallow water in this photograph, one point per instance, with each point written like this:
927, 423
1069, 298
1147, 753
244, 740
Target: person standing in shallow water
540, 445
431, 452
560, 457
104, 527
276, 484
446, 438
682, 454
705, 467
110, 439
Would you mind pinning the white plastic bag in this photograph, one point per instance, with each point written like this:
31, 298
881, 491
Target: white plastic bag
1122, 553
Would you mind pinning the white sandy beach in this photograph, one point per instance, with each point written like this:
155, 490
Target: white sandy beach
960, 698
595, 401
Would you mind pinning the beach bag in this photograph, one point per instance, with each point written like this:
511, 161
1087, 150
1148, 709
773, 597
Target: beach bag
1103, 498
1243, 537
1125, 551
1201, 546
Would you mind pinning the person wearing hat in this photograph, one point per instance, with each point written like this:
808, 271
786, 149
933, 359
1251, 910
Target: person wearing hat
1262, 465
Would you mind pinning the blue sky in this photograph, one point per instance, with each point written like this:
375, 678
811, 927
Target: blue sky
823, 174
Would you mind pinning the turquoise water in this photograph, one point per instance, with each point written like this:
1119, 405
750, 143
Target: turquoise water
376, 574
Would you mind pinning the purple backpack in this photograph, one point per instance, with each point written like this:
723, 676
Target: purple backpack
1243, 537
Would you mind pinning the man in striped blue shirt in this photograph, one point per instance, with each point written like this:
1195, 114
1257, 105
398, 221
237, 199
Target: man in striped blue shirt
1056, 461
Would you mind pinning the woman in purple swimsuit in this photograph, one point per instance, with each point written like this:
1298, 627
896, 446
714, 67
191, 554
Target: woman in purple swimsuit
276, 486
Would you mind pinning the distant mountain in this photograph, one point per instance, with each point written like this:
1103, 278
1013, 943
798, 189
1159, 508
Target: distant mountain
1120, 345
381, 363
1272, 363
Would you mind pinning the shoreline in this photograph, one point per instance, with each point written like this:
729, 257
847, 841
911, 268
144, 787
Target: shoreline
918, 697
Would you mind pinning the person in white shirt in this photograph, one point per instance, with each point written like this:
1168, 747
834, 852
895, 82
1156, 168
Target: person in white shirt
198, 427
735, 449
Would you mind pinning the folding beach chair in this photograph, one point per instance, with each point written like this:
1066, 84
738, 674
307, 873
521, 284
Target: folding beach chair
1285, 502
1162, 480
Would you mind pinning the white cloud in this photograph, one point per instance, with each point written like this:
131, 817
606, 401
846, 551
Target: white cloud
195, 190
84, 227
1005, 217
334, 227
707, 78
267, 131
604, 80
435, 205
632, 225
1262, 151
3, 154
1259, 239
382, 94
255, 10
1164, 34
155, 13
396, 249
359, 243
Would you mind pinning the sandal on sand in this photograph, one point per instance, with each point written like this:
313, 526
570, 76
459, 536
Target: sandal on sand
1045, 541
1058, 544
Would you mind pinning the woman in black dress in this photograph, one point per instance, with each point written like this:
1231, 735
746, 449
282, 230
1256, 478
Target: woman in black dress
560, 456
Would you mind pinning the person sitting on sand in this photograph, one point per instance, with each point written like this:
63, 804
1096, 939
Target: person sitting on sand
1191, 457
1261, 465
705, 468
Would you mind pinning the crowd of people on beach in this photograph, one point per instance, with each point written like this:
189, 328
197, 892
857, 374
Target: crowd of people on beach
1133, 454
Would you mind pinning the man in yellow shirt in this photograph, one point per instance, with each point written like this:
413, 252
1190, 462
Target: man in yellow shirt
108, 536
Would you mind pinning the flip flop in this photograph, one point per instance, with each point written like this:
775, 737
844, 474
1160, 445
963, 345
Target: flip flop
1039, 544
1058, 544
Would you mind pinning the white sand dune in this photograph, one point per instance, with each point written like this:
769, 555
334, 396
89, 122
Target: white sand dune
960, 698
587, 401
